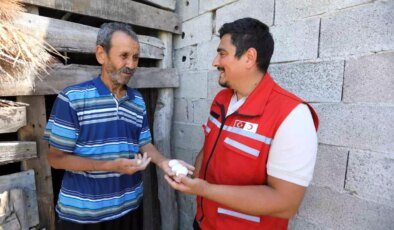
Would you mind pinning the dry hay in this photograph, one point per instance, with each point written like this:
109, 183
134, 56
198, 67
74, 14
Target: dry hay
23, 57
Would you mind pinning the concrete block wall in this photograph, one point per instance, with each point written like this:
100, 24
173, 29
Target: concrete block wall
336, 54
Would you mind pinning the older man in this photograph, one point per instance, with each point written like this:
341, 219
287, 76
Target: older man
96, 131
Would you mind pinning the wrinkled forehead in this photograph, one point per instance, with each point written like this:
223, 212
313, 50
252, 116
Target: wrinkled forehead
122, 41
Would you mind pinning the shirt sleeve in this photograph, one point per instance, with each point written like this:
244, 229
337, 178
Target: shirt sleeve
292, 155
62, 128
145, 136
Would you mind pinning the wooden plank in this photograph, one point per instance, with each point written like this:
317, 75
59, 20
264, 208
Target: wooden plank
162, 136
121, 10
13, 151
12, 118
62, 76
13, 210
23, 180
73, 37
165, 4
33, 131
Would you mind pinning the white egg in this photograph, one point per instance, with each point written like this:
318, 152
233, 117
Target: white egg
176, 167
181, 171
171, 163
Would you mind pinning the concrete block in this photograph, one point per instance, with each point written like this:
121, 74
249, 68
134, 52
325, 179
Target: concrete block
186, 9
201, 111
332, 210
262, 10
330, 168
368, 28
206, 52
196, 30
365, 127
297, 41
187, 136
297, 223
185, 58
186, 155
290, 10
208, 5
192, 85
312, 81
183, 110
370, 79
370, 176
213, 84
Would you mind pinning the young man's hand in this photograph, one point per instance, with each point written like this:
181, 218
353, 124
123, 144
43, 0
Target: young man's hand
165, 166
188, 185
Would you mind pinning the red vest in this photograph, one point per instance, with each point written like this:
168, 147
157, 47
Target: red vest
236, 151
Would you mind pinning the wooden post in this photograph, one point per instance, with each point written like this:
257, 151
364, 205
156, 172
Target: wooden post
33, 131
162, 135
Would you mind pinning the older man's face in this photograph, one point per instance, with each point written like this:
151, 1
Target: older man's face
122, 58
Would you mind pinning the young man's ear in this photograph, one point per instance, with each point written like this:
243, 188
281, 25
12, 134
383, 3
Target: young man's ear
251, 57
101, 55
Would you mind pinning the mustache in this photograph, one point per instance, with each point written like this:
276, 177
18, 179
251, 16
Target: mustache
127, 70
220, 68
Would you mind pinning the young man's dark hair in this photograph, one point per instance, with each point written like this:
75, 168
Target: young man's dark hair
250, 33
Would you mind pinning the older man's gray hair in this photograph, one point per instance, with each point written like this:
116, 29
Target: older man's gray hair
107, 29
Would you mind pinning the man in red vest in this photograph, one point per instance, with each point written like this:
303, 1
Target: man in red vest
260, 140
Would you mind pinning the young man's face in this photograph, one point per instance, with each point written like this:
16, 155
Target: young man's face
228, 64
122, 59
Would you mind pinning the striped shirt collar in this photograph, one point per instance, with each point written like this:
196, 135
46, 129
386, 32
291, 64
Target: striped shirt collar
103, 90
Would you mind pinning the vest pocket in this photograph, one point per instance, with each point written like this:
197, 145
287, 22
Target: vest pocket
229, 219
246, 149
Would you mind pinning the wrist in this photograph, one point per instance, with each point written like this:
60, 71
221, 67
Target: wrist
108, 166
205, 188
162, 162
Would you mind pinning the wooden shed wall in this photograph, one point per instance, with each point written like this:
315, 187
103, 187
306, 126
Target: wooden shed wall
71, 27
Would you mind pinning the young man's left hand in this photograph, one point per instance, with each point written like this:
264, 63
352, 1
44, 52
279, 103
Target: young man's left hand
193, 186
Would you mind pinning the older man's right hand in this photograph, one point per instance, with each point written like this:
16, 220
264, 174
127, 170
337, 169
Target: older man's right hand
130, 166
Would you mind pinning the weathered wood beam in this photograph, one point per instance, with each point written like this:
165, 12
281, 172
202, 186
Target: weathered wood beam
162, 136
33, 131
78, 38
13, 151
13, 210
62, 76
165, 4
12, 118
121, 10
26, 181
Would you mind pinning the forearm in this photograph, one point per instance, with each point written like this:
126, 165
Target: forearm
61, 160
278, 198
253, 200
153, 153
198, 162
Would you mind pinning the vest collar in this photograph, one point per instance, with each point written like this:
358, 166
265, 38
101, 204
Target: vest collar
256, 101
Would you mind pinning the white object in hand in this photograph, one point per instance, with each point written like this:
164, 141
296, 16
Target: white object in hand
172, 163
177, 168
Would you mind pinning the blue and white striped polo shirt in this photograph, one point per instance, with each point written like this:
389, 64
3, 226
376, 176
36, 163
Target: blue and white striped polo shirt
88, 121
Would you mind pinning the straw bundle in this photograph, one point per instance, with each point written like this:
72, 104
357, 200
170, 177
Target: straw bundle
22, 56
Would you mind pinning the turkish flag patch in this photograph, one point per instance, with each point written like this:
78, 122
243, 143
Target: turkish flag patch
247, 126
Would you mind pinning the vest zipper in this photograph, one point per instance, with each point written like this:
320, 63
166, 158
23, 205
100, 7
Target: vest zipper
211, 154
